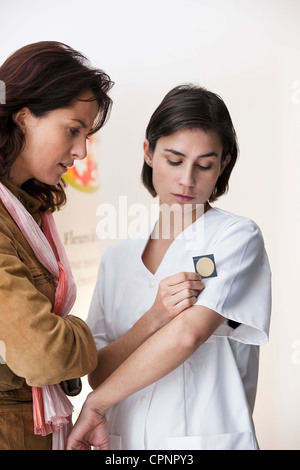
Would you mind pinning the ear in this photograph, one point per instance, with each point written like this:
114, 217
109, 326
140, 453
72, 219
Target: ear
224, 163
21, 118
148, 154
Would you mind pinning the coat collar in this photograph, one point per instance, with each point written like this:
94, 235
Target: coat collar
31, 204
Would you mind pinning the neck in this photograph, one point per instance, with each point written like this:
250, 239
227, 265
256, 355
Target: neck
173, 220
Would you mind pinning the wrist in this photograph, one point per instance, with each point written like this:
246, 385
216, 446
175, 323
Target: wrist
93, 402
152, 321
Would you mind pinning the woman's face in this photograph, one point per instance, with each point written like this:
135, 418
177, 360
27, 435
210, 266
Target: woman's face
186, 166
53, 142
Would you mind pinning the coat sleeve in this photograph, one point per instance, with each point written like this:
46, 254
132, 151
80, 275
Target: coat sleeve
39, 345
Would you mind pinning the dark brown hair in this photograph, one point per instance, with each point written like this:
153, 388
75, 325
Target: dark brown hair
45, 76
191, 107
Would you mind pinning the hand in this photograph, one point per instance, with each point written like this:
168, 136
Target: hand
89, 430
175, 294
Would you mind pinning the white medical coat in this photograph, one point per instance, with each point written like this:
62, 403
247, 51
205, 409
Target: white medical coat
206, 402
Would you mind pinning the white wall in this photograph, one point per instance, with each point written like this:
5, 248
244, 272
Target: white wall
248, 52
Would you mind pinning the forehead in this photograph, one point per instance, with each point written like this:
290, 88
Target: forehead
192, 140
84, 108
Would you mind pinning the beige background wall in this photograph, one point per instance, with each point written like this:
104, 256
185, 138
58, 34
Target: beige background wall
248, 52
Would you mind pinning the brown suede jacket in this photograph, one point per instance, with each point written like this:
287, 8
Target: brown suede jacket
41, 348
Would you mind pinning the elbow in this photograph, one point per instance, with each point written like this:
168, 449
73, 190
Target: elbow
190, 342
187, 338
64, 350
55, 368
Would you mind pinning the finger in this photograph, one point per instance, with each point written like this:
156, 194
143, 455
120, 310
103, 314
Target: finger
187, 285
184, 294
182, 277
184, 304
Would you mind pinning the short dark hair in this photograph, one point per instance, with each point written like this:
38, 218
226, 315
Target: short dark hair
45, 76
191, 107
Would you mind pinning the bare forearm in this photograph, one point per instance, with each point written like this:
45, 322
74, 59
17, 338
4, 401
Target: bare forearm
156, 357
160, 354
114, 354
144, 366
175, 294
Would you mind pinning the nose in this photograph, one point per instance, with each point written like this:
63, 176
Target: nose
79, 150
187, 176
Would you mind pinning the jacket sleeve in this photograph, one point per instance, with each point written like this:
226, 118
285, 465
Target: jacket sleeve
39, 345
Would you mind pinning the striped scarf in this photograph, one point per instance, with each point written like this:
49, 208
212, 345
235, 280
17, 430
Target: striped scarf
52, 410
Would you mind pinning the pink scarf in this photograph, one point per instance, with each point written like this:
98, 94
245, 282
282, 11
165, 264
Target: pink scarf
52, 410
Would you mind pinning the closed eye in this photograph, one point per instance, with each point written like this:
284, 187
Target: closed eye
74, 131
204, 167
171, 162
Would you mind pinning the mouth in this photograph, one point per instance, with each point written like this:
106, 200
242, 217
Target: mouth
65, 166
183, 197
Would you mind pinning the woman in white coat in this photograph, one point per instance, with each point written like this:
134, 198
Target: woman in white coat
183, 375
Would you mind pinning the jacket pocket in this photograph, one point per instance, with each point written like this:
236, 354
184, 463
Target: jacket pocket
230, 441
43, 282
41, 278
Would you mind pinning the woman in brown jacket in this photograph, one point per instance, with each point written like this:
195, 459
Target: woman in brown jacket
54, 100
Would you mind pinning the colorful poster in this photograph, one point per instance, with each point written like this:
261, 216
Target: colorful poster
83, 176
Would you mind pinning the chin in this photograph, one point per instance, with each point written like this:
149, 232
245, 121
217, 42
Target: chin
50, 181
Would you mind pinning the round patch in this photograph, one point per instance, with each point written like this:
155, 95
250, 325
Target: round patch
205, 266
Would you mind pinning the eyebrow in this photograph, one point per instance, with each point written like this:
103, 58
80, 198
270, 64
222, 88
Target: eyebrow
175, 152
80, 122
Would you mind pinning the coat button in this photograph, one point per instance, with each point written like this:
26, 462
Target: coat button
143, 399
152, 283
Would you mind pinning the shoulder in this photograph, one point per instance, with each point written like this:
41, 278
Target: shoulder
227, 221
238, 232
